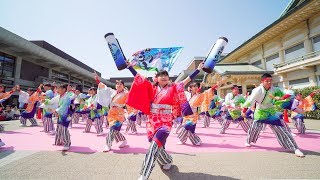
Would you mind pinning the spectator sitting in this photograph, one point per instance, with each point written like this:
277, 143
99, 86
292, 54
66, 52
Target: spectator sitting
2, 117
16, 113
9, 114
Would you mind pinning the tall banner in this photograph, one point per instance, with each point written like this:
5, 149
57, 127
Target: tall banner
214, 54
116, 51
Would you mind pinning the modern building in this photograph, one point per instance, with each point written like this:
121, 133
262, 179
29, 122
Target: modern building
289, 48
29, 63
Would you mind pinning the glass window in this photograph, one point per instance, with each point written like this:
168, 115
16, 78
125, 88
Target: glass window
7, 65
257, 63
75, 80
299, 81
87, 84
316, 39
271, 60
60, 76
294, 52
316, 43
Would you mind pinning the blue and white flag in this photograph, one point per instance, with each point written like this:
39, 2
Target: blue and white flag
155, 59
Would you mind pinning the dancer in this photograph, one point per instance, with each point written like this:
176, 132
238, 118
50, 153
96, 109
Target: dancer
48, 126
233, 103
29, 112
62, 112
132, 118
190, 121
266, 112
299, 107
116, 114
158, 101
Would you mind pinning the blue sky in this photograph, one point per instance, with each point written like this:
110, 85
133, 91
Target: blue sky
78, 27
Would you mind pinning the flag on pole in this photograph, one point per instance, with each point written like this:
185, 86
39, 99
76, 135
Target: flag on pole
155, 59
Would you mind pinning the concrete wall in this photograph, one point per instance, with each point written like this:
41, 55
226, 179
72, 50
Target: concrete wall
30, 71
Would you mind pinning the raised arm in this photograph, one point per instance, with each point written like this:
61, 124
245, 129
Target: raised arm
194, 74
131, 69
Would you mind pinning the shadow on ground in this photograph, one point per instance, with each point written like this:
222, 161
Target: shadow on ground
174, 173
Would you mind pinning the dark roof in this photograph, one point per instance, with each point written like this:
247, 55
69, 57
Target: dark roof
291, 6
63, 55
294, 9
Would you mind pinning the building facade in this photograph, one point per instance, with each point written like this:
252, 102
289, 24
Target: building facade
30, 63
289, 48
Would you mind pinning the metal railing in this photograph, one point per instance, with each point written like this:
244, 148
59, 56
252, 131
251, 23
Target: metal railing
298, 59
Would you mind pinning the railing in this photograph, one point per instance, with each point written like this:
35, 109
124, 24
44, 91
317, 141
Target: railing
298, 59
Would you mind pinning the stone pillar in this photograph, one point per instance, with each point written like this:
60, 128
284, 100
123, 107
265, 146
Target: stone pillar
284, 80
244, 88
307, 41
313, 80
313, 77
308, 45
17, 70
263, 59
281, 52
82, 84
50, 73
69, 78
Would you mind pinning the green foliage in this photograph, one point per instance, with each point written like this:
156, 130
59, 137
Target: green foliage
305, 92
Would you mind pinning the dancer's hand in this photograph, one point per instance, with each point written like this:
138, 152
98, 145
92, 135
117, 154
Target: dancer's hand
200, 66
18, 87
129, 64
243, 115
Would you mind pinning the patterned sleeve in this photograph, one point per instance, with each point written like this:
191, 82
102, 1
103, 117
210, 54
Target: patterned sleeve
207, 96
23, 97
64, 104
182, 99
141, 94
104, 94
252, 98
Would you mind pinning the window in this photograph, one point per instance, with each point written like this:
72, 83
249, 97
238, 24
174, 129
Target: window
7, 65
299, 81
294, 52
257, 63
87, 84
271, 60
294, 48
37, 71
316, 43
60, 76
75, 80
316, 39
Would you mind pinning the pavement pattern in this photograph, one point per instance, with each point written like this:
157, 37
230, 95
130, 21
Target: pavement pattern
29, 154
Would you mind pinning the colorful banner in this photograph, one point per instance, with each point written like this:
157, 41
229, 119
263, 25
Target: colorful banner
155, 59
